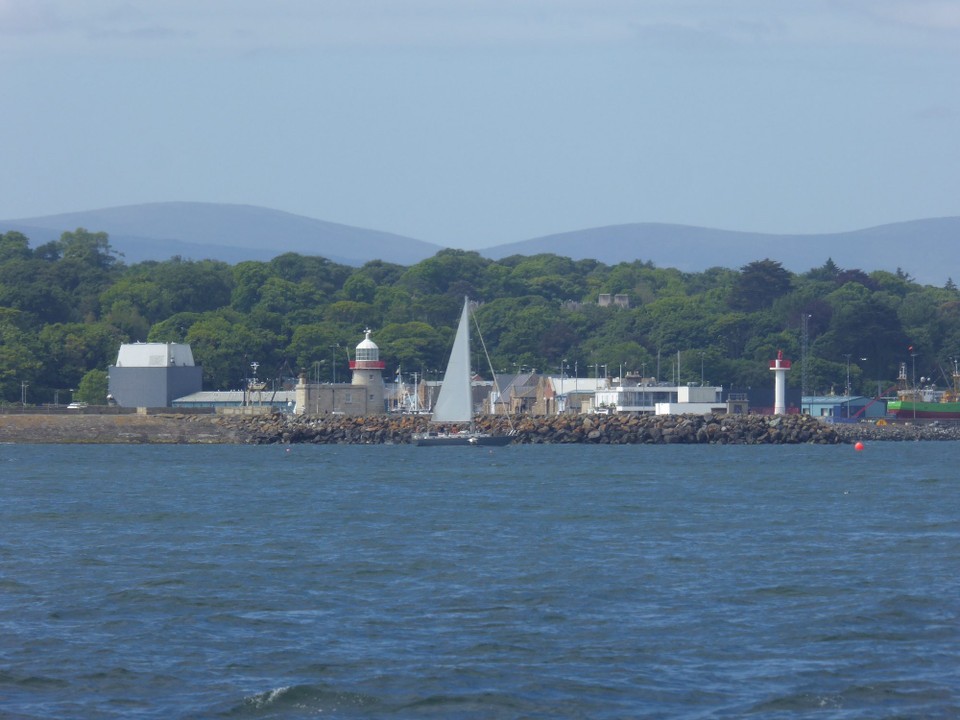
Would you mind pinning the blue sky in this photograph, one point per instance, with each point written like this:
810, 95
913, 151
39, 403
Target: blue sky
479, 122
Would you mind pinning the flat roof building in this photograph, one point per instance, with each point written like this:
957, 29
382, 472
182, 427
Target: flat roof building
153, 374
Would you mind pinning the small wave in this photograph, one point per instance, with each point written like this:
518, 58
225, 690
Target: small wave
924, 700
32, 681
11, 585
489, 704
797, 702
781, 591
301, 698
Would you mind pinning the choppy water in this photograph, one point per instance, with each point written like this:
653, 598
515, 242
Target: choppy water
523, 582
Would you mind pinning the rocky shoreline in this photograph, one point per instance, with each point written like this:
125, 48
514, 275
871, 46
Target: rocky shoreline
399, 430
601, 430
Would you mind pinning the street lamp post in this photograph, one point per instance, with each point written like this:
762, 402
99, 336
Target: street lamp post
847, 388
913, 380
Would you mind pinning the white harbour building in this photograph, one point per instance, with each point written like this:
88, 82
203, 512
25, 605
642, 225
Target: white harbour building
660, 399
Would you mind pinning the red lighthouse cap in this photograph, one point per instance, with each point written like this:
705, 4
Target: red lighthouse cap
780, 363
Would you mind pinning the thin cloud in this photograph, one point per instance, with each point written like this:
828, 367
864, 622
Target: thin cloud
123, 26
28, 17
935, 15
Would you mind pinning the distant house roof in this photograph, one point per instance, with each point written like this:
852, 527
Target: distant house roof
834, 399
506, 380
230, 398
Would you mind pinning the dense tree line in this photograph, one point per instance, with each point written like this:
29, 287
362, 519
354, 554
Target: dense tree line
66, 306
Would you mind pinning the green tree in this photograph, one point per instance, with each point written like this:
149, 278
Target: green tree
225, 347
32, 286
126, 317
19, 355
435, 275
760, 283
14, 246
138, 293
828, 272
863, 324
297, 302
71, 350
87, 266
93, 388
351, 314
382, 273
315, 347
548, 276
678, 323
174, 329
318, 273
360, 288
248, 279
413, 346
193, 286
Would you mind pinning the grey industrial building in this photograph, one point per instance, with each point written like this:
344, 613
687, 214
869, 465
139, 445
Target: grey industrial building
153, 375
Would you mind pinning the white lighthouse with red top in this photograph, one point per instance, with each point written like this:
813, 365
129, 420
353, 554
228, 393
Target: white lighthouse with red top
368, 371
780, 367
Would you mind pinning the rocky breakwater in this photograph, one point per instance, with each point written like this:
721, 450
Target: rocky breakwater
898, 431
564, 429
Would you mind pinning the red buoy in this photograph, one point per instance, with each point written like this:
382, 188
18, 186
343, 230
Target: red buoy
858, 447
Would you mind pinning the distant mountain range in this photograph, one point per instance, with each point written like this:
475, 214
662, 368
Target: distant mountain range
232, 233
926, 249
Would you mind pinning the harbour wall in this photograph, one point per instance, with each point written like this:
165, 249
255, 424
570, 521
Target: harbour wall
181, 428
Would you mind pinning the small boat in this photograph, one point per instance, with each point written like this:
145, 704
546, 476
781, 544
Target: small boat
455, 401
925, 403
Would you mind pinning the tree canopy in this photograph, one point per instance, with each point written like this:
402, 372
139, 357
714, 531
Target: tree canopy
66, 306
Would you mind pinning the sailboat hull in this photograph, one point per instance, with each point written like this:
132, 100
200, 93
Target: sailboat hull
462, 439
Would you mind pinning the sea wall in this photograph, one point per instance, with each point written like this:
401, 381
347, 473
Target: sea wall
96, 428
598, 430
566, 429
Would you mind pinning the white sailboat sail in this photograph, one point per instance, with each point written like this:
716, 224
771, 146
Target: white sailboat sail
455, 402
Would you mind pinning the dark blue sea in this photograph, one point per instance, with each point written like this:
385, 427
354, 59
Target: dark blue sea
519, 582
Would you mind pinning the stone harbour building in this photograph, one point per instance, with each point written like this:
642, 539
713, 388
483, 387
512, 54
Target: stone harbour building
364, 395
